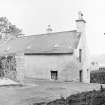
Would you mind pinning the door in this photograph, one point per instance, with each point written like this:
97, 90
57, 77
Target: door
81, 75
54, 75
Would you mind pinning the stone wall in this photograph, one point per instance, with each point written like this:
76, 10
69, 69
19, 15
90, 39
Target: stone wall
20, 66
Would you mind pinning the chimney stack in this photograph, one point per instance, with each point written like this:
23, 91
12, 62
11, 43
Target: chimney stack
80, 22
49, 29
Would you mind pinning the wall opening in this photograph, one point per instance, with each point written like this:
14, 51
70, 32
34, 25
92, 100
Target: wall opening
54, 75
80, 55
81, 75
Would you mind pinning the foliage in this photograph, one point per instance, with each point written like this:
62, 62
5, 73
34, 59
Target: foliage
7, 27
85, 98
60, 101
97, 77
8, 67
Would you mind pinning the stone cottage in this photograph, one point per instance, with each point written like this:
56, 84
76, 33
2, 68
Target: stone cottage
54, 55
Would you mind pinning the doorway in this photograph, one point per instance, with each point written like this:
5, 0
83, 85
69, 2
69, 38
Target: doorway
54, 75
81, 75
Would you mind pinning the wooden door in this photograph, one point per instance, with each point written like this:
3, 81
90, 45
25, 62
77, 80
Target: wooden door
81, 75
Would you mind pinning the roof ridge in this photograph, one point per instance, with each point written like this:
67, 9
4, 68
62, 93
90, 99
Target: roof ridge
48, 33
62, 42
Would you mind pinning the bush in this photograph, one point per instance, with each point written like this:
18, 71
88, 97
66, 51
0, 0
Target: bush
60, 101
97, 77
98, 99
85, 98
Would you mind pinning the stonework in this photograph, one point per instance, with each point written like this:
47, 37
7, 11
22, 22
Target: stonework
20, 66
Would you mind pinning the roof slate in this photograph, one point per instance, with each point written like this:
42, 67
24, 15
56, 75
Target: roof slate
58, 42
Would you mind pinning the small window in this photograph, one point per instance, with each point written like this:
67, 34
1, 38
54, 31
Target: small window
54, 75
80, 55
81, 75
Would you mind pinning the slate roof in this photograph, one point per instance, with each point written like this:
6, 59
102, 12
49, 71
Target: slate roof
58, 42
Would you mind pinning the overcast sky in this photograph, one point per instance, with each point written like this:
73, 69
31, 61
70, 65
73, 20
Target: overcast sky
33, 16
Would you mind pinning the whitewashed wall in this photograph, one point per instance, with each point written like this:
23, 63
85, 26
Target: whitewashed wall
85, 52
39, 66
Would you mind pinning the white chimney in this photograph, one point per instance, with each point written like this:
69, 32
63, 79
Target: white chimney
49, 29
80, 22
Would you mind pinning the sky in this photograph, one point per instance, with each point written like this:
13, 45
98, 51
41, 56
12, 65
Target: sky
33, 16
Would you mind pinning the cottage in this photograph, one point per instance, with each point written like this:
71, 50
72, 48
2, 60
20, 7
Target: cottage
54, 55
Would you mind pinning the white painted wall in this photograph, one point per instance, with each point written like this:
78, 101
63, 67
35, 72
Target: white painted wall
85, 53
39, 66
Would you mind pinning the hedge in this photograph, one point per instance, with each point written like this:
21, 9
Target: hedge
85, 98
97, 77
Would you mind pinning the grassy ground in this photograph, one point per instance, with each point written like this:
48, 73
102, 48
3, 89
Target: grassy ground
36, 91
85, 98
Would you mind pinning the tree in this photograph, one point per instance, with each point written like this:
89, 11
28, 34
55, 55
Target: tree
7, 28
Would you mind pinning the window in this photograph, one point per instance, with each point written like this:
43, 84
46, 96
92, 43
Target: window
54, 75
80, 55
81, 75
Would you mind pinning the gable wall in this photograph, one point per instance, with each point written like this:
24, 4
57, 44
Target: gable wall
85, 57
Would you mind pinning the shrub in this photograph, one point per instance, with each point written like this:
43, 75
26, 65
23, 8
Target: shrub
97, 77
85, 98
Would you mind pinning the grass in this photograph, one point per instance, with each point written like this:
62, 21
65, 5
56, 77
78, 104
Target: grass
85, 98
